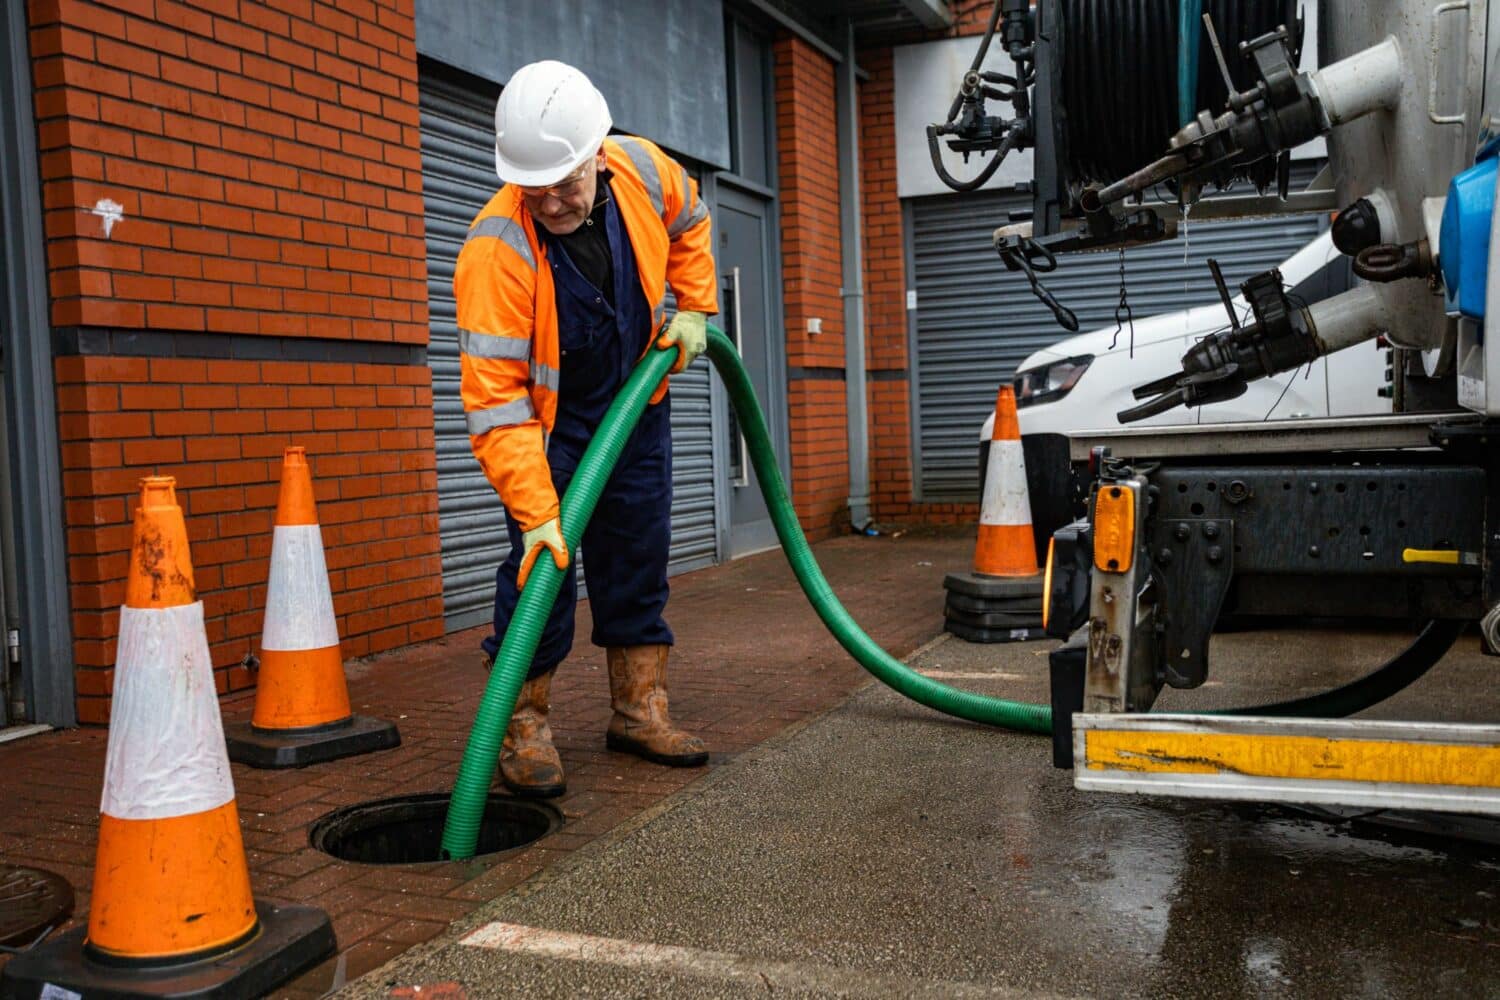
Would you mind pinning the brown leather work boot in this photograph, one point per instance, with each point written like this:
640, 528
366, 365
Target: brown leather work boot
638, 691
529, 764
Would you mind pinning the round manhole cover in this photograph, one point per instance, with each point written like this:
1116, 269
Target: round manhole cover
31, 901
409, 829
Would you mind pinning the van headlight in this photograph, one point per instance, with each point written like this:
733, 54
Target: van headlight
1050, 381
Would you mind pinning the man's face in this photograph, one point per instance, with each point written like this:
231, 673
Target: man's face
562, 207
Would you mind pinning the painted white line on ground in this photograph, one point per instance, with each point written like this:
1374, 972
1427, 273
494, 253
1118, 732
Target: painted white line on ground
763, 974
973, 675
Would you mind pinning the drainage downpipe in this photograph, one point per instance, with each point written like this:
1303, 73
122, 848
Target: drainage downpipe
851, 239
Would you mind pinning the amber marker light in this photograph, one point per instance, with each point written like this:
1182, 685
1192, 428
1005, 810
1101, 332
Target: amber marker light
1047, 583
1114, 529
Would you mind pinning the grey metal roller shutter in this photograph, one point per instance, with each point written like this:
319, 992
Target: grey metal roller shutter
976, 321
694, 534
458, 166
458, 177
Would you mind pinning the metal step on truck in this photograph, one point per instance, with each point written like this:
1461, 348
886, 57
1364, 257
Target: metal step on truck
1132, 113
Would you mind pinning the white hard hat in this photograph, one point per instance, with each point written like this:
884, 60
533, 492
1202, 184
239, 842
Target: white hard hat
549, 119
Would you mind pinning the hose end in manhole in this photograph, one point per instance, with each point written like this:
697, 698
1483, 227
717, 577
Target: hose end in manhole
409, 829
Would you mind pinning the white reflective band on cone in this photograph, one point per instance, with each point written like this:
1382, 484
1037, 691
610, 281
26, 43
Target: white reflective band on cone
166, 755
1005, 501
299, 605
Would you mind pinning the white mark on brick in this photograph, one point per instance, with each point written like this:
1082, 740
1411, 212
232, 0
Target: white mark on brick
110, 212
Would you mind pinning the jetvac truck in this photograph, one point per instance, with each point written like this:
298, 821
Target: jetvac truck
1134, 112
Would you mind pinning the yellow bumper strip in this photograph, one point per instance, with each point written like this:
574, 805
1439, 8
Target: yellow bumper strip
1297, 757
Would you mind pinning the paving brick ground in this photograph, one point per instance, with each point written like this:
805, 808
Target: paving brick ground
751, 659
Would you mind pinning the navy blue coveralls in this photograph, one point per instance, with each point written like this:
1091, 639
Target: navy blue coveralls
627, 541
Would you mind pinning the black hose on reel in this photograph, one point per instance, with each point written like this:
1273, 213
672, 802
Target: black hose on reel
1118, 85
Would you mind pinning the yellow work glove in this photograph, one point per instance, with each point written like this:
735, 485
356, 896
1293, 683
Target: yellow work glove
688, 332
548, 535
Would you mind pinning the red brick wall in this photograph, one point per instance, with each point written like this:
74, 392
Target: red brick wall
812, 262
265, 156
220, 427
972, 19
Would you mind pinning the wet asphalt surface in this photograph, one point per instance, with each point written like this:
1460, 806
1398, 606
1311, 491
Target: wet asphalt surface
884, 850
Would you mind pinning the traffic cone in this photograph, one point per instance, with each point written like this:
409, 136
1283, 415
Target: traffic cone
1005, 546
302, 713
172, 911
1001, 600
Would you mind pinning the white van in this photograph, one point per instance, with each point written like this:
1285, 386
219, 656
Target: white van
1081, 383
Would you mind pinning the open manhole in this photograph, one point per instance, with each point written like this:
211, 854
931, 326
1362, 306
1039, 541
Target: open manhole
409, 829
32, 902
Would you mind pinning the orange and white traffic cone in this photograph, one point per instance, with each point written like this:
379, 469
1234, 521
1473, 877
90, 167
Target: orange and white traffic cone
172, 911
1001, 600
302, 711
1005, 546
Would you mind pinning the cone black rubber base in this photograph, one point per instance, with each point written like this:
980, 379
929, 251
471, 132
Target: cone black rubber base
291, 940
268, 748
994, 619
1005, 605
994, 587
970, 633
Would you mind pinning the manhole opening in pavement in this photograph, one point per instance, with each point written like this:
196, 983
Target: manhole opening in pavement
32, 902
409, 829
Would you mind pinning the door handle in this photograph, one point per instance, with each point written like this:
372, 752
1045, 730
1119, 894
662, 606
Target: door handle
1438, 13
743, 479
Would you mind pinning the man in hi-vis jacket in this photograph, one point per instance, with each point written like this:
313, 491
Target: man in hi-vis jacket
561, 287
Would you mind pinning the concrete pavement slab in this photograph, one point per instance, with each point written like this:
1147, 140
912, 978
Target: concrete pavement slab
883, 850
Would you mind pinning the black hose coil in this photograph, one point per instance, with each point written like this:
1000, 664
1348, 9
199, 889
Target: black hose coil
1119, 77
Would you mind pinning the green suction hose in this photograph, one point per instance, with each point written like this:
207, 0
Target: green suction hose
471, 788
886, 668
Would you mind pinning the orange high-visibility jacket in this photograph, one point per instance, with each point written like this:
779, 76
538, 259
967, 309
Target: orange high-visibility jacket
507, 312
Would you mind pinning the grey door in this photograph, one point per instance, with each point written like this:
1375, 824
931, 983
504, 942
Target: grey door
744, 236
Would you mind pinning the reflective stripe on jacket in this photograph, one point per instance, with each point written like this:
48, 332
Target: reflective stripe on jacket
507, 312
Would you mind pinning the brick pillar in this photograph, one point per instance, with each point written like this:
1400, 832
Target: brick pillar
807, 167
885, 292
